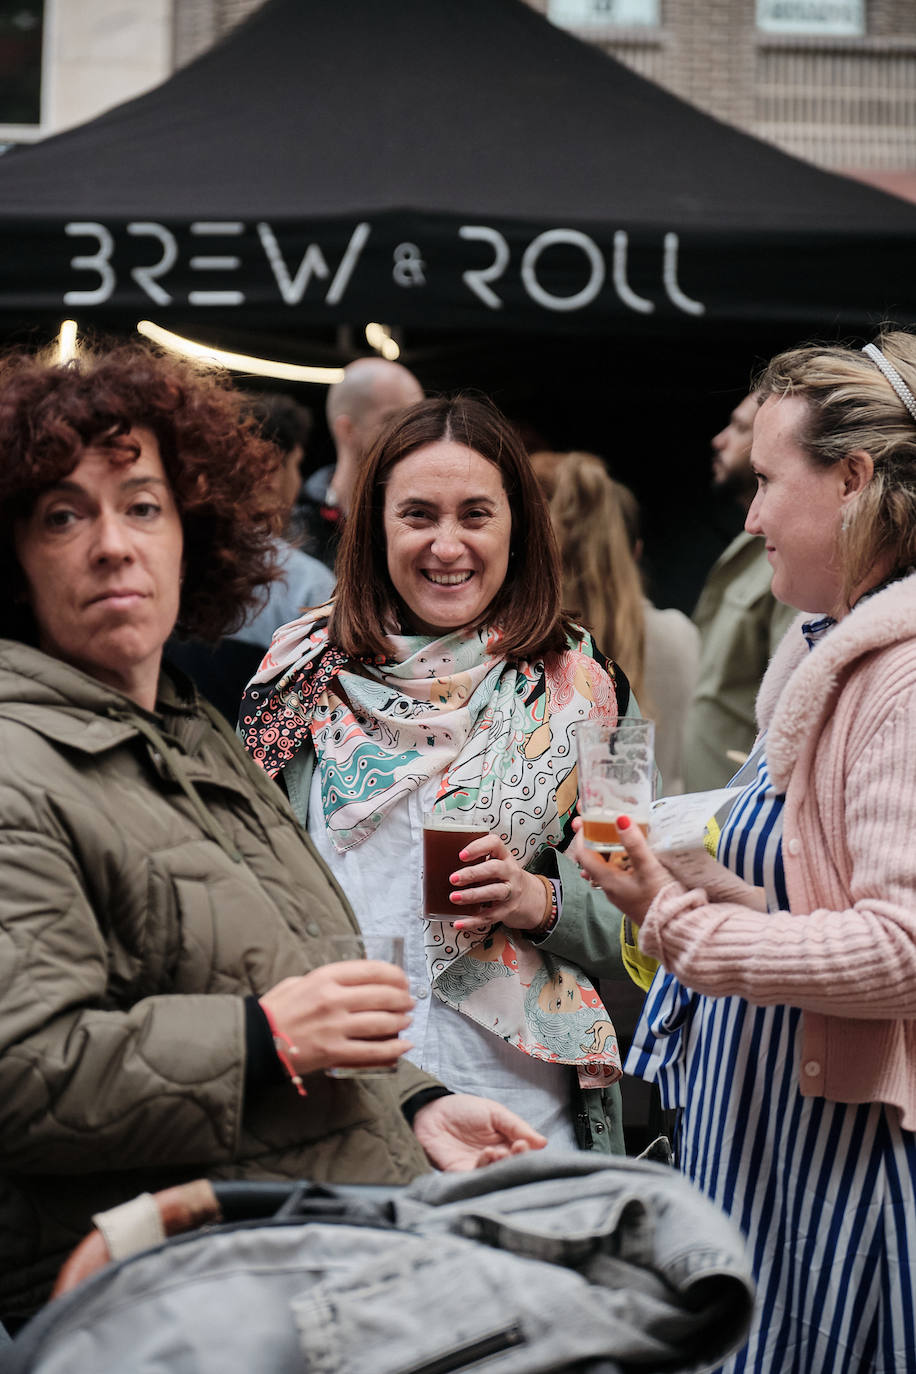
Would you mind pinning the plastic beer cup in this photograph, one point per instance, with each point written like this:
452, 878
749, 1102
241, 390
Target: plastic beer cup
616, 778
443, 840
341, 948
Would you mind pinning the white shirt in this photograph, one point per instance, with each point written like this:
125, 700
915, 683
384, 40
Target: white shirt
382, 878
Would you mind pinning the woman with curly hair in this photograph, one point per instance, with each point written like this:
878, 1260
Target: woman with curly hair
165, 1009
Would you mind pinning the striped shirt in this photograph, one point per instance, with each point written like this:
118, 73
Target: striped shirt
824, 1192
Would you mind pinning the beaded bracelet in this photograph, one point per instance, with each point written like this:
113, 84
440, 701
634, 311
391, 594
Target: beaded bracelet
551, 914
284, 1048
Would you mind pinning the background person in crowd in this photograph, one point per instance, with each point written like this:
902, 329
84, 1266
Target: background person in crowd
372, 391
596, 521
446, 680
787, 1036
221, 672
160, 907
304, 580
671, 665
740, 624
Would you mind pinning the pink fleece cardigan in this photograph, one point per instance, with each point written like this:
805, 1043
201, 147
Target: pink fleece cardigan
841, 743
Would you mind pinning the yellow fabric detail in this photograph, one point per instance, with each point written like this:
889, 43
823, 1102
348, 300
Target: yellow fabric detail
640, 967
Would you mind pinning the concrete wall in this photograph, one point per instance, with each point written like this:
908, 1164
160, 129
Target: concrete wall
98, 53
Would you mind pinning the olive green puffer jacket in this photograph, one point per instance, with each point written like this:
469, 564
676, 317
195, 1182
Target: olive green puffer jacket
150, 878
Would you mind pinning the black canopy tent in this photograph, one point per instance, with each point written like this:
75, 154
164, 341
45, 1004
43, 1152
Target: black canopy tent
455, 165
604, 259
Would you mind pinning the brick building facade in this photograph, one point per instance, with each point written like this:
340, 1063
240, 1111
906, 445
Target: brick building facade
845, 101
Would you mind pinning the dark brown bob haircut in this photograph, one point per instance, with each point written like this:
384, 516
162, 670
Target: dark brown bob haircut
217, 464
526, 609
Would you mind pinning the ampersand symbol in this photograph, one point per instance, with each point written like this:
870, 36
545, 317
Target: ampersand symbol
408, 265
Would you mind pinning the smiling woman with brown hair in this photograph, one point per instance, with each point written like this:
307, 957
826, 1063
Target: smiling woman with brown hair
445, 680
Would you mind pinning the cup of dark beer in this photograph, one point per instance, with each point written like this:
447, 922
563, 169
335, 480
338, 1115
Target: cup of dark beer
444, 838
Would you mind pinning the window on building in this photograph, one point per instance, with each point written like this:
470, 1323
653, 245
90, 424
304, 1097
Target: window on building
811, 16
587, 14
21, 26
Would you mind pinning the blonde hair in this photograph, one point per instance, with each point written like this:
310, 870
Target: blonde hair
851, 405
601, 584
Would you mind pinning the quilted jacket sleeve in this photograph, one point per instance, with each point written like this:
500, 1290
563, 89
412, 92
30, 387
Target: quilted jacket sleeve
83, 1086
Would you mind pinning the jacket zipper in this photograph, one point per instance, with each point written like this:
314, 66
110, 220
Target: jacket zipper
460, 1356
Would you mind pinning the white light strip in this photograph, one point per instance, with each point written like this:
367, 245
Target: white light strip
209, 262
66, 341
239, 362
216, 298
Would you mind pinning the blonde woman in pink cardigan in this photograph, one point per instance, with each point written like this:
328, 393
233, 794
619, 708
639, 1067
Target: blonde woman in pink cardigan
786, 1037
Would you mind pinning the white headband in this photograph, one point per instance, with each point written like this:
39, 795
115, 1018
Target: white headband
893, 376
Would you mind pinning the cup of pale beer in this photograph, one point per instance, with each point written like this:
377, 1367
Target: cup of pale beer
444, 837
616, 778
335, 949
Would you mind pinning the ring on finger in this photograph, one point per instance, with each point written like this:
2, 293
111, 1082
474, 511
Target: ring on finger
508, 892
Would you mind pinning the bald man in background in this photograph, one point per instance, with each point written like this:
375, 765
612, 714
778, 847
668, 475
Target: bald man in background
358, 407
373, 390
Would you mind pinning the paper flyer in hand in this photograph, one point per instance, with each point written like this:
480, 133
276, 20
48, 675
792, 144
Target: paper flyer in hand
680, 831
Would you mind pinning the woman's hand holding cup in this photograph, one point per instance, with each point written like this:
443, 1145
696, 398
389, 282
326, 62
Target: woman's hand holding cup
491, 876
344, 1016
631, 885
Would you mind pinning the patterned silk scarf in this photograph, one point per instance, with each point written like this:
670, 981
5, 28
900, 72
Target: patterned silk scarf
499, 737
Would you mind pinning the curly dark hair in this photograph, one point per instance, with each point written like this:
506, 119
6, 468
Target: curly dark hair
218, 465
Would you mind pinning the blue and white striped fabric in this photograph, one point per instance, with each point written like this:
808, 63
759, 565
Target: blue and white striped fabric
824, 1192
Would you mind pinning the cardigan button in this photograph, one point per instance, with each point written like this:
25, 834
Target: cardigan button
812, 1069
313, 928
795, 846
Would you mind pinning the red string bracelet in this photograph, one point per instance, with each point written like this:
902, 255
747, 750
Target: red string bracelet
284, 1048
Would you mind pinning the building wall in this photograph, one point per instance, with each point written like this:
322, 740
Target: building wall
198, 24
98, 53
846, 103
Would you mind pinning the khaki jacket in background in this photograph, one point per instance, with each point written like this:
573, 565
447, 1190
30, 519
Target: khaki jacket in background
740, 624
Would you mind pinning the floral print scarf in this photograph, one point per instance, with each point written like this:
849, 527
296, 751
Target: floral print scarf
500, 738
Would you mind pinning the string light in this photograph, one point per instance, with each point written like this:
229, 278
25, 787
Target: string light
238, 362
378, 336
66, 341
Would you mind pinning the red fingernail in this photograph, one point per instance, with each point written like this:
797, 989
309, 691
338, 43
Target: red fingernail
623, 822
462, 854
